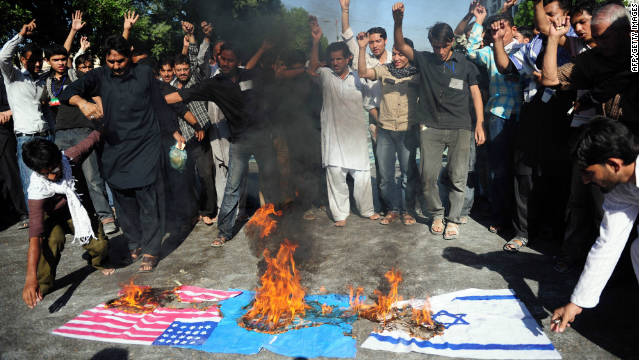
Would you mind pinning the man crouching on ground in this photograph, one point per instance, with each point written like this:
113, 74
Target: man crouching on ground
607, 153
52, 191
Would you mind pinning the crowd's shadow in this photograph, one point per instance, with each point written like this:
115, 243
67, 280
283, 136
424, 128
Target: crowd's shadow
112, 353
612, 325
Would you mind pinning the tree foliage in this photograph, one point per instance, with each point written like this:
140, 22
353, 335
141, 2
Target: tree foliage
524, 16
244, 22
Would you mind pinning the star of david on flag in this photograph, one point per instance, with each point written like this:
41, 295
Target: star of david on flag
447, 319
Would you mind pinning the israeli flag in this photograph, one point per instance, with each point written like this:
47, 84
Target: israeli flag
480, 324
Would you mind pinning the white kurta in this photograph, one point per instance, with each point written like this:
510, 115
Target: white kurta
343, 124
620, 212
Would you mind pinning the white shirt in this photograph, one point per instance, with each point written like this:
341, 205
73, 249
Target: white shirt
620, 212
23, 92
373, 96
343, 125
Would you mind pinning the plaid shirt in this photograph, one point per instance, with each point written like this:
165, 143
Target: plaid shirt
197, 108
504, 90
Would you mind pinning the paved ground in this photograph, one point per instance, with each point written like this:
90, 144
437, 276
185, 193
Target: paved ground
327, 257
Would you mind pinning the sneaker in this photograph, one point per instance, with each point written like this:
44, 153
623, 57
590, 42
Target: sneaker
110, 228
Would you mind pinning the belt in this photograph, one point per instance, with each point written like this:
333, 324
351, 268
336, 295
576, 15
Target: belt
41, 133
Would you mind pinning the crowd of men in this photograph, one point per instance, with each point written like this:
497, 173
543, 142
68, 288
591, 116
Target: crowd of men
542, 123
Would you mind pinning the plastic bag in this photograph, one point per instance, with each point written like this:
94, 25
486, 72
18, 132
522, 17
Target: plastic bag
177, 158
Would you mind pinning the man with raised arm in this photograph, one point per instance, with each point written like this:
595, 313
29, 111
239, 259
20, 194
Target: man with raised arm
24, 89
502, 107
447, 81
373, 96
343, 130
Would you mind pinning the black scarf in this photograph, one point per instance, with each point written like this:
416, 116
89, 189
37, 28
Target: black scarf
404, 72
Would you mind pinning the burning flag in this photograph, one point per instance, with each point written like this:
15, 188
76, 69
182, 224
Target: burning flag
128, 321
480, 324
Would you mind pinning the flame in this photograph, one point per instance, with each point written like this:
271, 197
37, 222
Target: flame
136, 298
423, 316
261, 222
280, 298
326, 309
381, 310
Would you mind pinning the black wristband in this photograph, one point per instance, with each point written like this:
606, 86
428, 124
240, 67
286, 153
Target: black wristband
197, 126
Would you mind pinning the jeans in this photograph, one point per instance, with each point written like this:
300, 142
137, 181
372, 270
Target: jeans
403, 144
25, 172
90, 168
240, 152
432, 144
501, 133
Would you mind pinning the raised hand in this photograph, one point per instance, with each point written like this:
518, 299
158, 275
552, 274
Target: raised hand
473, 6
508, 4
207, 28
76, 21
480, 12
498, 30
28, 29
130, 18
559, 27
84, 43
398, 12
344, 4
266, 44
187, 27
316, 30
363, 40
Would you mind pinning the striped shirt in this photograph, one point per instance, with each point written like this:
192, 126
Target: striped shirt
504, 90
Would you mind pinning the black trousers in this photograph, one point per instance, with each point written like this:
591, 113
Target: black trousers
141, 216
542, 166
10, 183
201, 153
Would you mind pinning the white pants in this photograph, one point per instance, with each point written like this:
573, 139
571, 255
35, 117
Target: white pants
220, 151
634, 256
338, 192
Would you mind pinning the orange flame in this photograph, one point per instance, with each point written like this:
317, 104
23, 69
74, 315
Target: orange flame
384, 303
261, 222
423, 316
326, 309
135, 298
280, 298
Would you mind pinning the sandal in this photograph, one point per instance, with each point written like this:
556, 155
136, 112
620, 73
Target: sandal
515, 244
451, 232
464, 220
148, 264
375, 216
389, 218
408, 219
209, 221
135, 255
437, 222
24, 224
340, 223
219, 241
494, 229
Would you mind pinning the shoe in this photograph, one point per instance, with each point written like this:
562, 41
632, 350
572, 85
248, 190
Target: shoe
110, 228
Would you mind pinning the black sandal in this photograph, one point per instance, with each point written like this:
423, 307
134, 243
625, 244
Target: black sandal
135, 255
148, 264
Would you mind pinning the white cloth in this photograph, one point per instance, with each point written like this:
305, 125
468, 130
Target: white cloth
343, 124
338, 192
23, 92
480, 324
373, 96
42, 188
620, 212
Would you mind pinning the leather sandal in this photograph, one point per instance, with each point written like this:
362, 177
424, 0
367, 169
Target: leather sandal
514, 245
437, 222
451, 231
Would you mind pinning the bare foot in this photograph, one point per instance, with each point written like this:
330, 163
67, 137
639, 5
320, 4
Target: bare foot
208, 221
341, 223
107, 272
375, 216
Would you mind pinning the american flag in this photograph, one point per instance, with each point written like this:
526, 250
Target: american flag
113, 325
